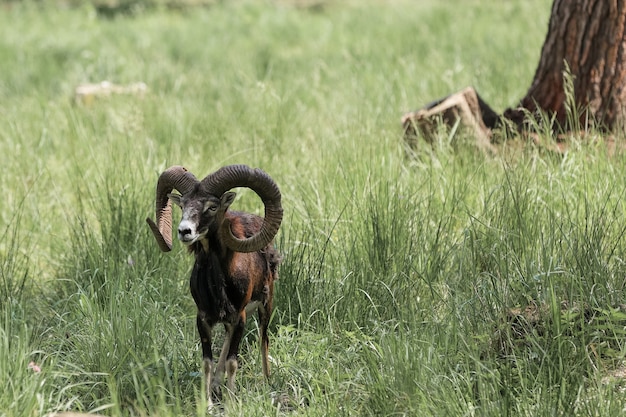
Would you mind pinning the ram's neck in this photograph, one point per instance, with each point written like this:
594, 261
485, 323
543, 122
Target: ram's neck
209, 244
199, 246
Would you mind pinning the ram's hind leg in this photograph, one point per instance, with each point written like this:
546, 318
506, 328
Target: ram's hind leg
265, 313
204, 329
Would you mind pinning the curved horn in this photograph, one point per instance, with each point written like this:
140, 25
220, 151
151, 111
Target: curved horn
264, 186
174, 178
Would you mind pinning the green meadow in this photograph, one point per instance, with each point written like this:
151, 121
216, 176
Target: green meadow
416, 282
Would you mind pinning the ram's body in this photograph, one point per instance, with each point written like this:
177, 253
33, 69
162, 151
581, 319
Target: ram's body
227, 286
235, 261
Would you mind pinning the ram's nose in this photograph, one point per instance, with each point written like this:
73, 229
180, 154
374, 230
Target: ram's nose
185, 232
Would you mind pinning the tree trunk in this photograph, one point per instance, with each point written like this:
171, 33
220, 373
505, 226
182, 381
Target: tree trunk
580, 79
588, 39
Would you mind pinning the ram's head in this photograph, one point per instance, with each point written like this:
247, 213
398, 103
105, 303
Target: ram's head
204, 205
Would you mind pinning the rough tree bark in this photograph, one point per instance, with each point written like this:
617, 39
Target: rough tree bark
589, 37
586, 38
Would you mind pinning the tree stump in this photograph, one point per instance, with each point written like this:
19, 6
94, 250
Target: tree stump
464, 108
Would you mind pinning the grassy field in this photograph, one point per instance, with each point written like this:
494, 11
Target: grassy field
430, 284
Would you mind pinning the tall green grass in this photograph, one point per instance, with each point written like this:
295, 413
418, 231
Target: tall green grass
408, 280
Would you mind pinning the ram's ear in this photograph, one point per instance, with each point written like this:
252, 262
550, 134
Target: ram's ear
227, 199
174, 198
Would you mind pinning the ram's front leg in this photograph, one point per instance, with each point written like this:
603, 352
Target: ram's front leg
204, 329
221, 362
231, 361
227, 363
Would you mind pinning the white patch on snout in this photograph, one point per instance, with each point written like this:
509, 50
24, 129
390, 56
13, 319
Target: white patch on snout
187, 232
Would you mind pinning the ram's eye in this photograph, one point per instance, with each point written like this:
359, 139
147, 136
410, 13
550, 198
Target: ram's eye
210, 207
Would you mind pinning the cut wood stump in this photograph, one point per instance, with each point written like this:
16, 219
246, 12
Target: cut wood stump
87, 93
464, 108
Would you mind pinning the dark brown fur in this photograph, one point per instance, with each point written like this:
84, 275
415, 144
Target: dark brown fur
224, 282
235, 261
